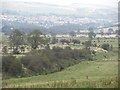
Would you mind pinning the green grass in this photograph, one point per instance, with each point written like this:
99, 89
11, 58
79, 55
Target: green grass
114, 43
73, 83
100, 73
111, 42
112, 55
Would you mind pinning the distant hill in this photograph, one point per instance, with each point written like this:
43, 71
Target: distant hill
78, 10
21, 26
75, 10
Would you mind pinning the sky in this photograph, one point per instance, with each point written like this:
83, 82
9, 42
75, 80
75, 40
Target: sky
68, 2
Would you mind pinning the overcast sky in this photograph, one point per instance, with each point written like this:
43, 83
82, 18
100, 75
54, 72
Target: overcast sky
68, 2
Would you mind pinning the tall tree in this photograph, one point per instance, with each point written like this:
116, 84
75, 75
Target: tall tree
54, 40
35, 38
91, 35
4, 50
87, 44
16, 39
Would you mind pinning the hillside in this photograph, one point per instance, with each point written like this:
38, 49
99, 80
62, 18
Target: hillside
99, 73
75, 10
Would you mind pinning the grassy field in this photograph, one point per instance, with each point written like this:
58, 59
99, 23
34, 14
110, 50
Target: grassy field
114, 43
87, 74
111, 42
100, 73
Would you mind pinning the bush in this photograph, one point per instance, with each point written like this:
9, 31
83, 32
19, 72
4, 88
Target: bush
43, 61
75, 41
63, 41
11, 65
105, 46
48, 61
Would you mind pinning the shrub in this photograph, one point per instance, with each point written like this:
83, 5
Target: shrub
11, 65
48, 61
43, 61
75, 41
105, 46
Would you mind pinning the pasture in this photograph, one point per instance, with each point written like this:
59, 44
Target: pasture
100, 73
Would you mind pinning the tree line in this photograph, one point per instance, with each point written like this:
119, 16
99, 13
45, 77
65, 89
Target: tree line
42, 62
18, 39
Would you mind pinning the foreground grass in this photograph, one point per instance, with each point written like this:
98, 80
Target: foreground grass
73, 83
89, 74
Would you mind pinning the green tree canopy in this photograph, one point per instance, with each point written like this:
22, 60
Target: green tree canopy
91, 35
35, 38
16, 38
